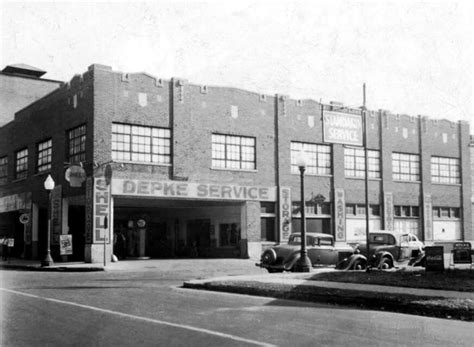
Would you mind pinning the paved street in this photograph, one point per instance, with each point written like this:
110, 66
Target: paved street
143, 304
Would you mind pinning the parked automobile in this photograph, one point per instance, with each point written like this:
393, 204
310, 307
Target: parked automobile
386, 250
321, 251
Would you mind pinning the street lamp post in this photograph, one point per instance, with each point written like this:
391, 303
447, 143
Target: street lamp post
49, 186
303, 264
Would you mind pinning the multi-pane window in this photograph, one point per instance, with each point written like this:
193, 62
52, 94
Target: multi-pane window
360, 210
354, 162
406, 167
233, 152
446, 212
44, 152
21, 163
445, 170
77, 144
311, 208
318, 158
406, 211
3, 169
141, 144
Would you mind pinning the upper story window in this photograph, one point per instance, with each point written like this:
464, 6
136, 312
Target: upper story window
354, 162
318, 156
445, 170
3, 169
360, 210
406, 167
44, 159
141, 144
21, 164
233, 152
77, 144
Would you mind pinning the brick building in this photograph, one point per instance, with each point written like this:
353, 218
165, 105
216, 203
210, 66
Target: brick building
20, 85
210, 171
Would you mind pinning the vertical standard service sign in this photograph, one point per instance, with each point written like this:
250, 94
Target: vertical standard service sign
342, 128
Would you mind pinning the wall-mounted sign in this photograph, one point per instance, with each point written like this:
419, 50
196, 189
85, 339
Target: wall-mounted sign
172, 189
342, 128
97, 215
65, 244
285, 213
428, 217
56, 213
340, 218
462, 253
388, 211
75, 175
24, 218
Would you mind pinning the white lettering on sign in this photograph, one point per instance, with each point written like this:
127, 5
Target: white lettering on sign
101, 208
172, 189
342, 128
340, 214
285, 213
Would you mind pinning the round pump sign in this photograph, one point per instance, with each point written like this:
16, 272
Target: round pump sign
75, 175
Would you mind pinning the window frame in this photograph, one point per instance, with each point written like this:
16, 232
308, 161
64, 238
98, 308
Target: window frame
76, 144
320, 158
357, 159
44, 166
233, 152
4, 169
408, 167
141, 143
448, 165
21, 174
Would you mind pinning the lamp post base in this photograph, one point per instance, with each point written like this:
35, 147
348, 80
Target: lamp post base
303, 264
47, 261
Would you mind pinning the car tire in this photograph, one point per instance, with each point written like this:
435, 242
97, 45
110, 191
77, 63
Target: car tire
274, 270
268, 257
386, 263
359, 265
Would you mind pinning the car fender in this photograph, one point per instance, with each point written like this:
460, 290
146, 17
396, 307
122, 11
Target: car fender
289, 264
347, 263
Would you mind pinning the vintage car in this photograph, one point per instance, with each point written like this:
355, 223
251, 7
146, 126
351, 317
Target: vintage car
320, 247
386, 250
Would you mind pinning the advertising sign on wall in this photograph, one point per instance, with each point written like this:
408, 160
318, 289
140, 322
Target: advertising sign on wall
434, 258
388, 211
65, 244
56, 214
89, 209
100, 211
174, 189
342, 128
428, 217
285, 213
340, 218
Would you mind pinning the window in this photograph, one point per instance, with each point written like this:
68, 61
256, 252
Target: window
233, 152
77, 144
3, 169
267, 229
44, 156
21, 164
406, 211
311, 208
406, 167
319, 158
354, 162
141, 144
445, 170
360, 210
446, 212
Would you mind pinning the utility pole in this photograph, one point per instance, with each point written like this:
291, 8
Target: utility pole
364, 119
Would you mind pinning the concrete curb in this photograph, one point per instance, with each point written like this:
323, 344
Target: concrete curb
402, 303
51, 268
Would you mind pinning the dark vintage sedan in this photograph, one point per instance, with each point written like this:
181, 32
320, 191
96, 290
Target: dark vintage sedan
321, 251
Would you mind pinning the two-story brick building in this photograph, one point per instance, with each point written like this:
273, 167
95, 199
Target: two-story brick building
210, 171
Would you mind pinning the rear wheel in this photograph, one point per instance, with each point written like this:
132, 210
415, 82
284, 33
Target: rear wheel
386, 263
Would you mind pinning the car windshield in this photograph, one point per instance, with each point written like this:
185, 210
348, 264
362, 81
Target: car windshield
296, 240
382, 239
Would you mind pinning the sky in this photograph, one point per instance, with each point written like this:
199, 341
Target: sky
416, 57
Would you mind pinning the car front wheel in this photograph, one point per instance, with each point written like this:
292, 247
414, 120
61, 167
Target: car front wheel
358, 265
386, 263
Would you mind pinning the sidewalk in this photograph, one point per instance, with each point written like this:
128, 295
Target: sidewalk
35, 265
